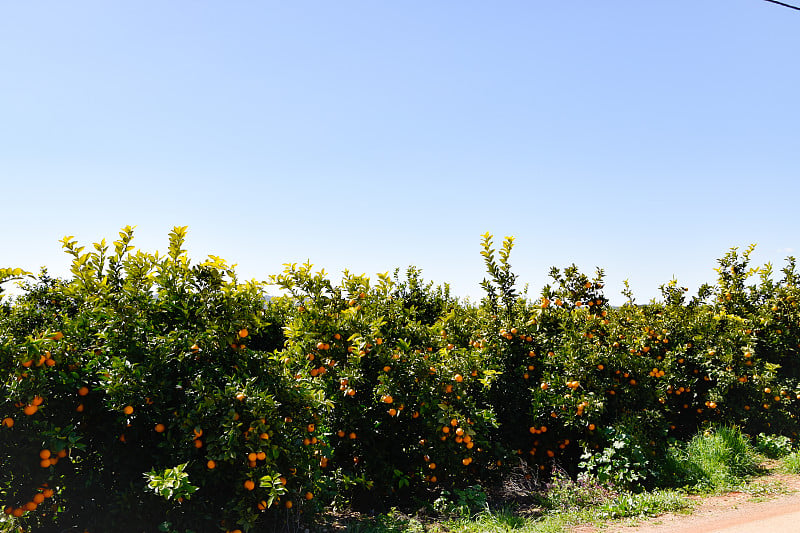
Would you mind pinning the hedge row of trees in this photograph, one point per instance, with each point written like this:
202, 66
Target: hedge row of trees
146, 390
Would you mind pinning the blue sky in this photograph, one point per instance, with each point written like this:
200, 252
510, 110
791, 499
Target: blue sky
646, 138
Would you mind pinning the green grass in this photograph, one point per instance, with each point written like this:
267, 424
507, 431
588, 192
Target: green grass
624, 505
717, 459
790, 464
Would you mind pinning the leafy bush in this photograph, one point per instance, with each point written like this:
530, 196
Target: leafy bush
773, 446
624, 462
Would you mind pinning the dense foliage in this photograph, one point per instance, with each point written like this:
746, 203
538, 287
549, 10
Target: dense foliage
147, 386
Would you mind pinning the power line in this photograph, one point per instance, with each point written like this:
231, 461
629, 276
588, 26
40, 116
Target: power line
782, 4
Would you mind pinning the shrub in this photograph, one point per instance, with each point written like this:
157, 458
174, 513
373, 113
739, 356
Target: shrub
773, 446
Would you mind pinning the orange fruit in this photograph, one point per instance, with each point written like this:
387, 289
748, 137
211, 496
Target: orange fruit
83, 391
198, 443
57, 336
44, 454
387, 399
79, 408
211, 464
288, 504
243, 333
160, 428
249, 484
30, 409
128, 410
8, 422
309, 495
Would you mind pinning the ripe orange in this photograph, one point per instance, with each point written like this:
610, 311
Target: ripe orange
211, 464
128, 410
44, 454
30, 409
249, 484
243, 333
309, 495
57, 336
8, 422
83, 391
288, 504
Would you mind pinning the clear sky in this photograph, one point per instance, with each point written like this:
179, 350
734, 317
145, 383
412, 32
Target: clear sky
643, 137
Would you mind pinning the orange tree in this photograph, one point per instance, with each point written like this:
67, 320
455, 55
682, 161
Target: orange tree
394, 362
136, 383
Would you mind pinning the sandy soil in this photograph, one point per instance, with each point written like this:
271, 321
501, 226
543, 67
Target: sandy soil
735, 512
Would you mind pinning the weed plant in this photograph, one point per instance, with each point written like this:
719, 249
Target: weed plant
791, 463
719, 458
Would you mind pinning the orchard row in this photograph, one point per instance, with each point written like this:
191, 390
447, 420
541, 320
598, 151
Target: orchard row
147, 386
